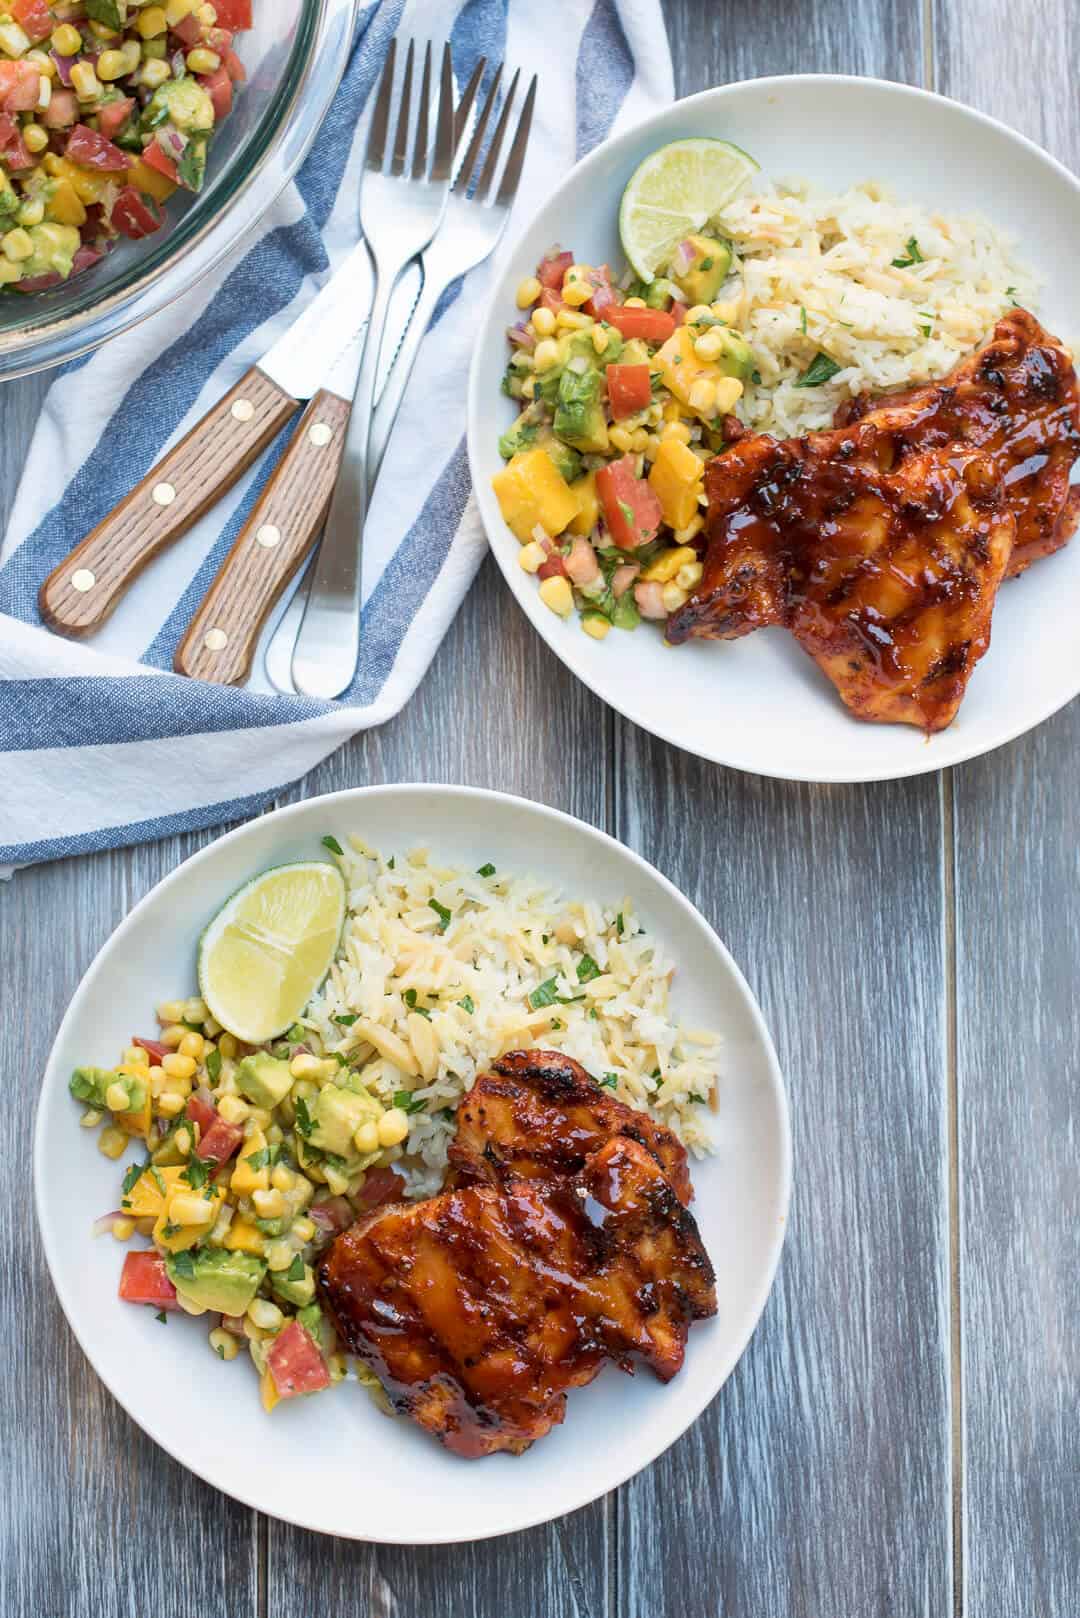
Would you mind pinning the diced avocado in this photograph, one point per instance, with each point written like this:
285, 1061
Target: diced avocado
184, 103
216, 1279
55, 247
337, 1114
89, 1084
567, 461
518, 367
314, 1321
264, 1080
662, 293
579, 415
635, 352
522, 435
191, 166
737, 357
702, 279
296, 1284
576, 345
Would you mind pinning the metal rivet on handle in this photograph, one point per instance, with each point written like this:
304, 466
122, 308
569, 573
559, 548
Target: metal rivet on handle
242, 409
163, 494
82, 580
268, 535
320, 435
215, 640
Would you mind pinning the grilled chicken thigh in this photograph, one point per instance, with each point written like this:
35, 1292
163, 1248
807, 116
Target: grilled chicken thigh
881, 543
539, 1113
479, 1308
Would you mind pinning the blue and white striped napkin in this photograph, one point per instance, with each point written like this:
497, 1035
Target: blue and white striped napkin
87, 729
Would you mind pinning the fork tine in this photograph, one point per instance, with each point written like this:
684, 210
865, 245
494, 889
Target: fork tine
472, 155
380, 118
486, 180
419, 167
512, 172
401, 138
465, 105
443, 158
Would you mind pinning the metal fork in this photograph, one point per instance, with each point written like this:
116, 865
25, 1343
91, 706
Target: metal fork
400, 212
470, 233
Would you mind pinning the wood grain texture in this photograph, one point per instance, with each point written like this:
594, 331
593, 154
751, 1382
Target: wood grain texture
79, 595
1018, 1024
267, 551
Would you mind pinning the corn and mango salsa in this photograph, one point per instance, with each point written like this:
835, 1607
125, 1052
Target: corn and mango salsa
106, 108
624, 394
248, 1160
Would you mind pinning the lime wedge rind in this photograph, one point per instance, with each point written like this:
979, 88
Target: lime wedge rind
270, 946
674, 192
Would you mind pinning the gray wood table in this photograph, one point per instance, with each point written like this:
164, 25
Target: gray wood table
902, 1435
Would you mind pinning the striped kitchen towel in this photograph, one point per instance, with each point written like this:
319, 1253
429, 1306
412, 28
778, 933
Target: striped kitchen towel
87, 730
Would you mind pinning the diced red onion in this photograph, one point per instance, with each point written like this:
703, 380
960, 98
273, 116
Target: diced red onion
333, 1214
682, 258
581, 564
64, 65
171, 141
102, 1226
233, 1324
623, 577
521, 336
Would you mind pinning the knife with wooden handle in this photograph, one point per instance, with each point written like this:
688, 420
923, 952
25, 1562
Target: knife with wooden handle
322, 346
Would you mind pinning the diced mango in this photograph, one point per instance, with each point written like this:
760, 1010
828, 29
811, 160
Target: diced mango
244, 1236
675, 479
65, 205
174, 1238
588, 512
88, 186
245, 1178
146, 1200
135, 1122
680, 367
268, 1391
668, 563
531, 492
151, 181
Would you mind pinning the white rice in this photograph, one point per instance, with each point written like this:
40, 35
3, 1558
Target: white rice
506, 936
814, 274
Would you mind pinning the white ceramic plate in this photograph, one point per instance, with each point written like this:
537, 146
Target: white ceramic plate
334, 1463
761, 704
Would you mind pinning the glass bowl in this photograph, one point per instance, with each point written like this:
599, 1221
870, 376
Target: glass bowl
295, 56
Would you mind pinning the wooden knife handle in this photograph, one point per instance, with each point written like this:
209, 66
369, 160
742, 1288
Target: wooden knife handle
220, 641
78, 596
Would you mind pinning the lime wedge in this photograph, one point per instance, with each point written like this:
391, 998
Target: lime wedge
673, 193
268, 949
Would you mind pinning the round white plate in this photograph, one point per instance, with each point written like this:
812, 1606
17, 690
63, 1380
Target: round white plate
334, 1463
761, 704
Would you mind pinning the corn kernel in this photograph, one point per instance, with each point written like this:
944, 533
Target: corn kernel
673, 598
683, 536
729, 390
136, 1054
600, 339
85, 82
641, 441
305, 1066
44, 93
268, 1204
556, 594
279, 1254
103, 30
528, 291
211, 1027
14, 41
169, 1012
635, 303
190, 1208
572, 320
207, 14
652, 446
201, 60
123, 1229
595, 625
177, 10
709, 346
703, 396
366, 1138
189, 1306
90, 1119
282, 1177
116, 1098
668, 563
689, 577
183, 1142
576, 290
17, 245
393, 1126
531, 557
151, 22
698, 312
193, 1045
528, 387
338, 1366
196, 1009
66, 40
177, 1066
303, 1229
234, 1109
224, 1344
227, 1047
170, 1104
621, 439
111, 1142
545, 354
145, 1227
678, 430
172, 1035
543, 322
727, 312
335, 1179
264, 1314
111, 65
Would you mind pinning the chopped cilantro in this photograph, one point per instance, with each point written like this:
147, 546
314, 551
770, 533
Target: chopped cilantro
304, 1121
486, 870
802, 318
390, 863
259, 1159
447, 1113
706, 264
627, 511
333, 845
131, 1178
820, 369
700, 1100
295, 1272
410, 1000
195, 1173
407, 1101
587, 969
619, 924
445, 916
184, 1263
594, 1014
467, 1004
162, 1317
755, 376
345, 1019
213, 1065
911, 255
158, 1178
609, 1081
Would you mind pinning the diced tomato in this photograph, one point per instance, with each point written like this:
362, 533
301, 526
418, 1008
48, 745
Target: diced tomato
234, 14
37, 283
629, 389
92, 151
133, 217
233, 66
153, 1047
12, 146
34, 18
295, 1362
678, 311
631, 508
380, 1185
553, 568
218, 87
550, 271
113, 116
604, 294
201, 1112
652, 325
551, 300
85, 257
62, 111
189, 29
144, 1280
218, 39
20, 85
161, 161
219, 1141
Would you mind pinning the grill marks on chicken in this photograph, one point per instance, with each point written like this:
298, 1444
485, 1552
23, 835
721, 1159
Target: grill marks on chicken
538, 1113
881, 544
480, 1308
